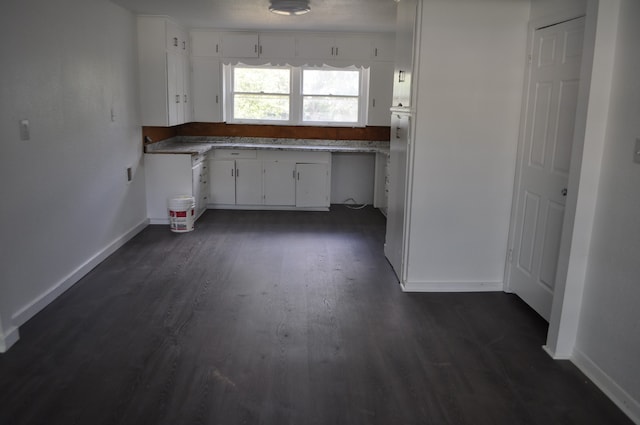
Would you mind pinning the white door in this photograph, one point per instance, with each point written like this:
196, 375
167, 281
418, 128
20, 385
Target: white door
544, 162
279, 182
222, 182
312, 185
207, 86
248, 182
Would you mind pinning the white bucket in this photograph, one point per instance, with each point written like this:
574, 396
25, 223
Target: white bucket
182, 213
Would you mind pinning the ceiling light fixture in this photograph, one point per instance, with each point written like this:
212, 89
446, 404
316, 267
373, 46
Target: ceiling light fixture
289, 7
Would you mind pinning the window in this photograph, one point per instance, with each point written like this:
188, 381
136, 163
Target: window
261, 94
330, 95
296, 95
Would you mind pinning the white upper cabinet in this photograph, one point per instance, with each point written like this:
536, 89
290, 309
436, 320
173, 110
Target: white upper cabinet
348, 47
207, 89
164, 72
276, 46
380, 93
240, 44
254, 45
176, 38
383, 48
315, 47
206, 43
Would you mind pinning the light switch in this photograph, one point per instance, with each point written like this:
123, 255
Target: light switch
24, 130
636, 152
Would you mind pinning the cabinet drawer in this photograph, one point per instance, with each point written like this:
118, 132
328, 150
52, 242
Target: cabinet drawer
232, 153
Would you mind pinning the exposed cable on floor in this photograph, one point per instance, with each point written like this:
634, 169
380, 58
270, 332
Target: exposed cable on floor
354, 205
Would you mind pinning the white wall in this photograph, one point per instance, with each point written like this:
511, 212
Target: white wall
608, 341
471, 71
66, 203
545, 8
352, 176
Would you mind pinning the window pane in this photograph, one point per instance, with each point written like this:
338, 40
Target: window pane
261, 80
339, 83
339, 109
260, 107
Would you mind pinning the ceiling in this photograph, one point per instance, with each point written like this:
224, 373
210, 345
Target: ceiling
325, 15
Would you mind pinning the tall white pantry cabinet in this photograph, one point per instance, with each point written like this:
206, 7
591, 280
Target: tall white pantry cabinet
401, 143
163, 64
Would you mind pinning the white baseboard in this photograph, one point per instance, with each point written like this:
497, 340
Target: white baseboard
31, 309
618, 395
452, 286
9, 338
159, 221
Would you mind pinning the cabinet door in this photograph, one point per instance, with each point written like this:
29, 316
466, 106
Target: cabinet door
196, 182
383, 48
279, 182
315, 47
380, 93
172, 32
248, 182
312, 185
222, 182
174, 88
187, 99
240, 45
277, 46
205, 43
207, 86
352, 48
405, 23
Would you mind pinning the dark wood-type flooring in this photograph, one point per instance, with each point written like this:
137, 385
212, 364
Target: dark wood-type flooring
283, 318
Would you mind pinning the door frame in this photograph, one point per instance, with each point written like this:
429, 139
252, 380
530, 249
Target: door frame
567, 298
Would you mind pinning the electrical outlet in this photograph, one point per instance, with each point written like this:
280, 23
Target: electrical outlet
24, 130
636, 152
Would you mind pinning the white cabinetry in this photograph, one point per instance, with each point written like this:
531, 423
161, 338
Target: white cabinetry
321, 46
170, 175
222, 181
384, 48
279, 182
164, 72
254, 45
248, 182
240, 44
235, 177
277, 46
207, 89
312, 180
269, 179
205, 43
380, 93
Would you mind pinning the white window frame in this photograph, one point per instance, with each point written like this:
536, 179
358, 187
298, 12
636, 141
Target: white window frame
295, 97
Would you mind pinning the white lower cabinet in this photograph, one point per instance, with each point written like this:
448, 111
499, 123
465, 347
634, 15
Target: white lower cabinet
312, 180
279, 183
170, 175
248, 182
222, 181
269, 179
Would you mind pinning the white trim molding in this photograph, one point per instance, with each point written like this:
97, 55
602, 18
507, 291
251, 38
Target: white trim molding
607, 385
31, 309
8, 338
471, 286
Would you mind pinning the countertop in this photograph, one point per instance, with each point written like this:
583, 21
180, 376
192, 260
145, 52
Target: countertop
202, 145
